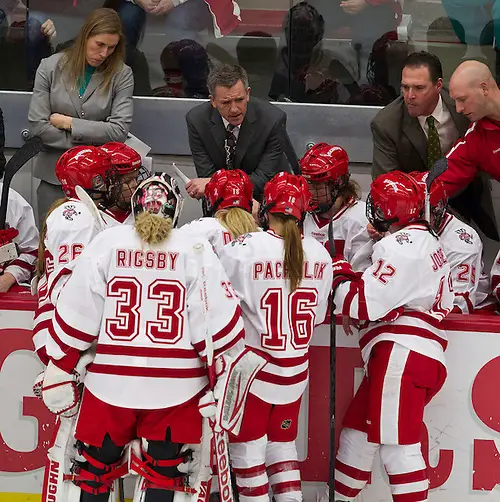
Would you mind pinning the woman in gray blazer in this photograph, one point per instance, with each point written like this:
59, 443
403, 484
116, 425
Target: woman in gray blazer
81, 96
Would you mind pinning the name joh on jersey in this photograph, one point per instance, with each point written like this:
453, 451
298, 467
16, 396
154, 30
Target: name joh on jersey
271, 270
438, 259
137, 258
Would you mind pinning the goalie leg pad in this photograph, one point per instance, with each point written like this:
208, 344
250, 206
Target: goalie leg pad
101, 468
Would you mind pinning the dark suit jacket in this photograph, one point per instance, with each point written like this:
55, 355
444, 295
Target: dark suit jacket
399, 143
258, 149
2, 145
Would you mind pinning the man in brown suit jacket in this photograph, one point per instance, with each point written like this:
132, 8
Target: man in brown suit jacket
403, 135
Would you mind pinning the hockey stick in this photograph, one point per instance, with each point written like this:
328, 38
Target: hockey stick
18, 160
180, 174
219, 436
87, 201
333, 367
439, 167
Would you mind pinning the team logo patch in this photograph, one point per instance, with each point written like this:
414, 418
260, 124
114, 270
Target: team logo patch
70, 212
403, 237
463, 235
286, 424
241, 239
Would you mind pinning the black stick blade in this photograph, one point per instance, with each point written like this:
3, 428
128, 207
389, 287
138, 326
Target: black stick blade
439, 167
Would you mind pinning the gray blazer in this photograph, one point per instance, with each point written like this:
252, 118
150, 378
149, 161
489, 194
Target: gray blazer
97, 117
258, 149
399, 143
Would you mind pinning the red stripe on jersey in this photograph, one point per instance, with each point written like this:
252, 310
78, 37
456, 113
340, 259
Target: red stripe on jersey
64, 347
264, 376
48, 307
41, 326
349, 297
134, 350
408, 477
352, 472
362, 308
470, 307
401, 330
249, 472
108, 369
287, 362
200, 346
21, 264
289, 465
32, 253
253, 491
64, 271
423, 316
229, 345
495, 281
72, 332
286, 487
42, 355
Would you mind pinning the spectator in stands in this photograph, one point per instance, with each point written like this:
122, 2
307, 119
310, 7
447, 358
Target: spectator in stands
2, 145
476, 23
81, 96
185, 68
31, 33
417, 128
234, 131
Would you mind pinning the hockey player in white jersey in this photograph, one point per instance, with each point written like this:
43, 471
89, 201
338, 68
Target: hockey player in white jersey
399, 302
337, 197
283, 282
461, 245
135, 290
495, 278
229, 199
109, 174
23, 233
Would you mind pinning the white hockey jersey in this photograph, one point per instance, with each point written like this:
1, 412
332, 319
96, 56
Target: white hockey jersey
20, 216
349, 232
463, 249
70, 228
495, 277
211, 229
144, 306
410, 270
278, 322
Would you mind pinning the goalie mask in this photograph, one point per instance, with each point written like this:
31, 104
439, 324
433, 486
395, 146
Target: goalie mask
395, 198
438, 198
130, 172
326, 169
227, 189
286, 194
91, 168
159, 196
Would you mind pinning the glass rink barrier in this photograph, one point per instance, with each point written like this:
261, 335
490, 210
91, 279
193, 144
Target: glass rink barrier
460, 441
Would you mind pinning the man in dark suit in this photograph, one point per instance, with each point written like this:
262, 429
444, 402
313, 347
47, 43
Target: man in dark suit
235, 132
2, 145
420, 127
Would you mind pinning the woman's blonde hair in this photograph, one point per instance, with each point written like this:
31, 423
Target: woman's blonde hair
100, 21
351, 190
40, 264
294, 252
153, 229
237, 221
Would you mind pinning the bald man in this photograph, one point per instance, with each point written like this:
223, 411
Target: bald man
477, 96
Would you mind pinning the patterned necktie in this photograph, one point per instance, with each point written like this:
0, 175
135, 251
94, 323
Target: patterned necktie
230, 146
433, 145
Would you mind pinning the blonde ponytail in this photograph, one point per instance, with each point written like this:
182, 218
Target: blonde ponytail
294, 252
153, 229
237, 221
40, 264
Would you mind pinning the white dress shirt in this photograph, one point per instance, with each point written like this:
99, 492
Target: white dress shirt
236, 130
445, 126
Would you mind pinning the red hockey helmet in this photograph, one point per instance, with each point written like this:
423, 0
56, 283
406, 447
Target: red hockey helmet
123, 157
394, 197
286, 194
438, 197
326, 169
87, 166
228, 189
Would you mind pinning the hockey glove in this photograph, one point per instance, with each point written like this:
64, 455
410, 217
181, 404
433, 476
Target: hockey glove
8, 235
8, 249
60, 391
38, 384
207, 405
342, 272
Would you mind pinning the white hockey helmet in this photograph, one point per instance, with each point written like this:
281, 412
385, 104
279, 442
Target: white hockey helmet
158, 195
